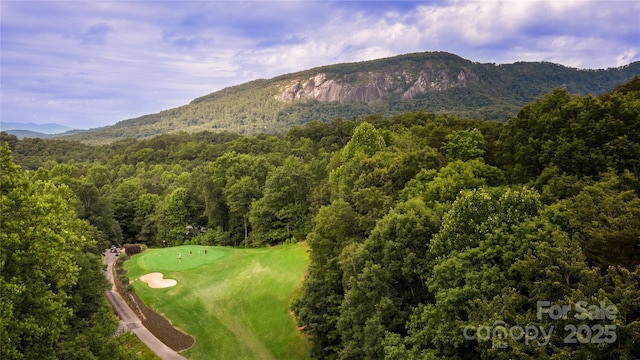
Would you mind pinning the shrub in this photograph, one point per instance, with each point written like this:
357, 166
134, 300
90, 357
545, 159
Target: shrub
133, 249
124, 280
214, 237
120, 261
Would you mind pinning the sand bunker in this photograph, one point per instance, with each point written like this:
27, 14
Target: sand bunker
156, 281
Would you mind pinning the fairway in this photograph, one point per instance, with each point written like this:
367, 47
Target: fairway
234, 302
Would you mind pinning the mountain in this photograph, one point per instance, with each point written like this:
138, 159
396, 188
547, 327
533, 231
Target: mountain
38, 130
430, 81
21, 134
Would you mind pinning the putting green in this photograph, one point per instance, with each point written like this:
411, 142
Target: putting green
166, 259
234, 302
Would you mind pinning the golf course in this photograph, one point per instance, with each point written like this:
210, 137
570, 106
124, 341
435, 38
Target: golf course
234, 302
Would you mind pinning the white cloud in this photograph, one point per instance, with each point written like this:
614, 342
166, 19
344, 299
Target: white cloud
88, 64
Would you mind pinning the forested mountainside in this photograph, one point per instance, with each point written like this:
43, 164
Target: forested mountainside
430, 236
435, 82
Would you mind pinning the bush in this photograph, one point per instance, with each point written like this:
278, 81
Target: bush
124, 280
133, 249
120, 261
215, 237
130, 287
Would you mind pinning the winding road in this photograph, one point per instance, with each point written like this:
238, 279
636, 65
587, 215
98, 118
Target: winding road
128, 318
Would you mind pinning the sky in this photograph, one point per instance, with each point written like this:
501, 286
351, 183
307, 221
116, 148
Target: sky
86, 64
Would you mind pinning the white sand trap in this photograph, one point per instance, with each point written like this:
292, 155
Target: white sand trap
156, 281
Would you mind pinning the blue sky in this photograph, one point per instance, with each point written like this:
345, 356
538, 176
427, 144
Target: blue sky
89, 64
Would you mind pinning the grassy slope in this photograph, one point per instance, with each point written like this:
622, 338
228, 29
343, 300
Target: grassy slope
233, 301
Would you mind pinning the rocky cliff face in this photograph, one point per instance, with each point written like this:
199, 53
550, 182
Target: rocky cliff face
375, 85
439, 81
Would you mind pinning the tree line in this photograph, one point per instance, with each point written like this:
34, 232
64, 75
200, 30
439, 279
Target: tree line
420, 225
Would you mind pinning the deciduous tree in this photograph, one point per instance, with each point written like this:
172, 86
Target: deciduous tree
174, 218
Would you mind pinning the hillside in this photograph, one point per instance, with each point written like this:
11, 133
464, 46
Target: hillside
432, 81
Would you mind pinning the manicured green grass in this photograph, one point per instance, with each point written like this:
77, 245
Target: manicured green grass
235, 302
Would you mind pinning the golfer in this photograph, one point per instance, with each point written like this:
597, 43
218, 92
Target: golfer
180, 257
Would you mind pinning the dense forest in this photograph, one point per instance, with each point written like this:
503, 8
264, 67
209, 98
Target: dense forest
431, 236
51, 276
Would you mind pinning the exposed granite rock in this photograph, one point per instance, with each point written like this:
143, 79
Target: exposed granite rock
326, 90
375, 86
438, 81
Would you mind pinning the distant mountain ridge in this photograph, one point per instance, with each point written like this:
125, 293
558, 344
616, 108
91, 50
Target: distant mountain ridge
43, 129
21, 134
430, 81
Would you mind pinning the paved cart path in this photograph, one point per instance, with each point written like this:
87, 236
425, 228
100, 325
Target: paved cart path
129, 319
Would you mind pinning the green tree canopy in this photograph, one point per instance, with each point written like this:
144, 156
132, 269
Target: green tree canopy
465, 145
51, 284
383, 279
283, 212
366, 140
174, 218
